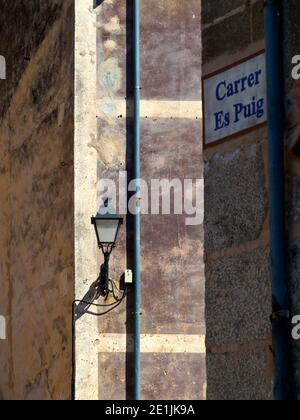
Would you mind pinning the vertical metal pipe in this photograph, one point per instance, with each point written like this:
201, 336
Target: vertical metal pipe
137, 217
276, 118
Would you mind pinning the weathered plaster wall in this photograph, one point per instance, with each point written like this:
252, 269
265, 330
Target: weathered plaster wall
238, 286
173, 330
36, 188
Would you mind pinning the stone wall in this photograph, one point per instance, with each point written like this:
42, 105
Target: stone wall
291, 37
36, 188
49, 186
238, 284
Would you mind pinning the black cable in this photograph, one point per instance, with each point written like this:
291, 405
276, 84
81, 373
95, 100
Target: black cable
95, 304
112, 306
116, 287
118, 290
109, 310
113, 290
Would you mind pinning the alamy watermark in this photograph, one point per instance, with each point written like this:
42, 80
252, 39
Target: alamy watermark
2, 68
296, 328
296, 68
157, 196
2, 328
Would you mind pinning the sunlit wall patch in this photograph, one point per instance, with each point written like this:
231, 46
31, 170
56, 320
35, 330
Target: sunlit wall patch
2, 68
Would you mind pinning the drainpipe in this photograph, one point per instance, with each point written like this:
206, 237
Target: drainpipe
276, 121
137, 217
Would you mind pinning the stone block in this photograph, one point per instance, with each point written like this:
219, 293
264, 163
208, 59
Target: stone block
235, 198
211, 12
227, 36
244, 376
258, 24
238, 299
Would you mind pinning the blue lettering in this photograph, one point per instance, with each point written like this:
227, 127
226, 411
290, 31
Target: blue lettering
219, 120
220, 98
260, 108
251, 80
257, 74
227, 89
238, 110
230, 90
252, 109
227, 119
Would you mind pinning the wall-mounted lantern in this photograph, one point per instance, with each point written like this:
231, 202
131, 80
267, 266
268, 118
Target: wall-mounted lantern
107, 224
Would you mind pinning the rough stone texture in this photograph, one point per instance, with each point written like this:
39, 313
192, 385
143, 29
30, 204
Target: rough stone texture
36, 185
238, 288
296, 369
294, 197
245, 375
258, 24
236, 34
238, 299
21, 45
235, 197
294, 271
240, 24
294, 278
291, 14
213, 10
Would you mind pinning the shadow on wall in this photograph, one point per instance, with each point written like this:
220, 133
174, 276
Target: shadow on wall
87, 305
129, 368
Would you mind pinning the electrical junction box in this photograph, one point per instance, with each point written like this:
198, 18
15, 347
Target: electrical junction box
128, 277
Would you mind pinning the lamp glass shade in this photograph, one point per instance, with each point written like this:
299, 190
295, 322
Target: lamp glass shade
107, 230
107, 224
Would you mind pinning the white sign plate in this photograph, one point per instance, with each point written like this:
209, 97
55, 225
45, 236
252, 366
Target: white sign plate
235, 100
